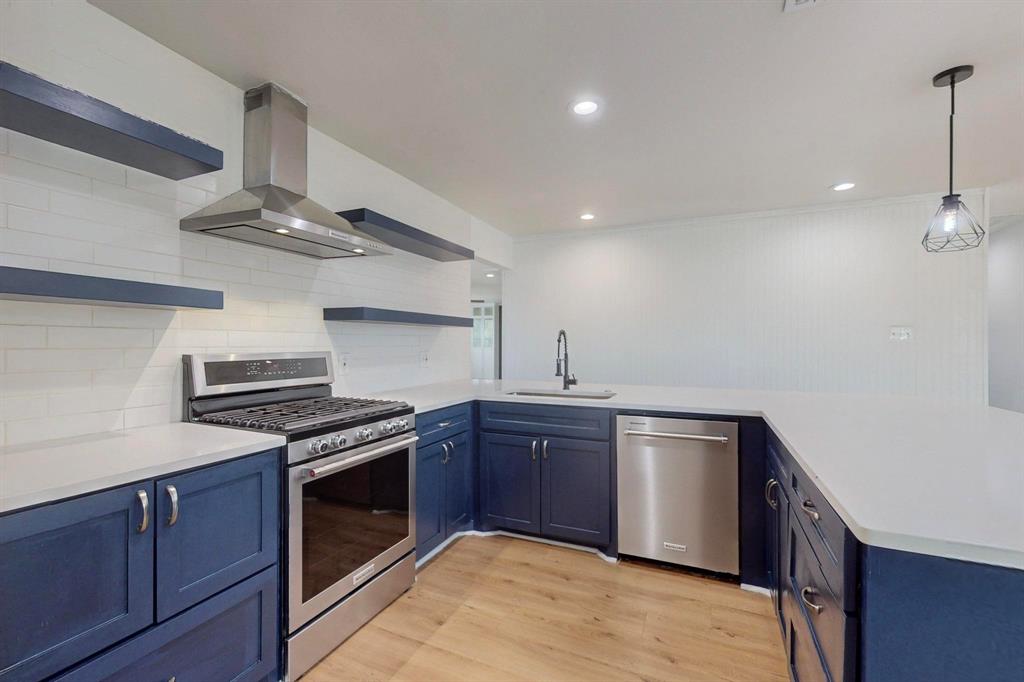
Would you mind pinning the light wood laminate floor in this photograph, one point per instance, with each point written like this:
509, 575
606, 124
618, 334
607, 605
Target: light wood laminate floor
499, 608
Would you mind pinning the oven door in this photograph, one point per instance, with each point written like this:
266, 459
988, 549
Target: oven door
350, 516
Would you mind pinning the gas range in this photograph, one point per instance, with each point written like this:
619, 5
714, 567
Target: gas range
290, 394
350, 488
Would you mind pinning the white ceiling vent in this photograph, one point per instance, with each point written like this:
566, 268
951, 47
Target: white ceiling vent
794, 5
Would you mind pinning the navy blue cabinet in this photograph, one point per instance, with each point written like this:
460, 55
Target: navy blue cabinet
75, 578
592, 423
445, 475
214, 527
575, 490
458, 484
430, 503
510, 481
229, 637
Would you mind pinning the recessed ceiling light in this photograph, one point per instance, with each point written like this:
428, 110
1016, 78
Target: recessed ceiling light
843, 186
587, 216
489, 274
358, 251
281, 230
585, 107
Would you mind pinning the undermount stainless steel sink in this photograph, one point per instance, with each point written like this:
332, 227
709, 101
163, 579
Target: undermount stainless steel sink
559, 393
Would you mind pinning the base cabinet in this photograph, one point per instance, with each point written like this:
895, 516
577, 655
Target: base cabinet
228, 637
75, 577
558, 488
174, 578
445, 476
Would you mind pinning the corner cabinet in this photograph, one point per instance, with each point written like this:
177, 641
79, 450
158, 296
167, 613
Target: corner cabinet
546, 470
180, 574
445, 476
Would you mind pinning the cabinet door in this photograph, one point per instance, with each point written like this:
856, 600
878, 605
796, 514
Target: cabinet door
222, 528
772, 493
510, 481
576, 490
75, 577
458, 473
429, 498
232, 636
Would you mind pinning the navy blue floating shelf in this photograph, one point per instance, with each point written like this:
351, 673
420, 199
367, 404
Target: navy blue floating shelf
60, 287
37, 107
383, 315
405, 237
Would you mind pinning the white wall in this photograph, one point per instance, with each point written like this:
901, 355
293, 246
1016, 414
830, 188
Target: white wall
1006, 315
795, 301
67, 370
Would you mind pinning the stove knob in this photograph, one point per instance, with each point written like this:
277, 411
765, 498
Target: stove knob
364, 434
318, 447
403, 424
338, 441
387, 427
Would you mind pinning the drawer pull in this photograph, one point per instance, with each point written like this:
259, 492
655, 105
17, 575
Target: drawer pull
533, 451
544, 449
771, 484
144, 501
446, 457
172, 493
807, 592
442, 425
809, 509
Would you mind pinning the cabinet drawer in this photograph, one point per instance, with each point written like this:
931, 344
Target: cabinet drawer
225, 528
75, 577
546, 420
834, 631
805, 664
442, 424
832, 542
228, 638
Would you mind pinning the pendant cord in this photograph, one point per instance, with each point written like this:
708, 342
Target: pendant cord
952, 110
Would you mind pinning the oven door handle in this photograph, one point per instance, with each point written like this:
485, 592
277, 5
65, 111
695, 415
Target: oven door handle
314, 472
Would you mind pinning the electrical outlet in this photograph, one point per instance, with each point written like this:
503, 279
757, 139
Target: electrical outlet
901, 333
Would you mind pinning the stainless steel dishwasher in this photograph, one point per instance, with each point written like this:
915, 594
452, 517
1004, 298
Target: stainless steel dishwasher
678, 491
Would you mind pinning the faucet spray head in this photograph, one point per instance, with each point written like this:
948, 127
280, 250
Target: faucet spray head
558, 367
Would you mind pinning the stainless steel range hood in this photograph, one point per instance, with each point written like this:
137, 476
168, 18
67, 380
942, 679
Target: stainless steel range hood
272, 209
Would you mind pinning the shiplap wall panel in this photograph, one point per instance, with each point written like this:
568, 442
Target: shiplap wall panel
68, 370
790, 301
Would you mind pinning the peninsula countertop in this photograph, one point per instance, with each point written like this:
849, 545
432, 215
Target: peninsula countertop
904, 473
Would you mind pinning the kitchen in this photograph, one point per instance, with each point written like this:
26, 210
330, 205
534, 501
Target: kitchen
778, 436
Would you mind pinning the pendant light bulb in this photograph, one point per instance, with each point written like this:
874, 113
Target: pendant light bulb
954, 227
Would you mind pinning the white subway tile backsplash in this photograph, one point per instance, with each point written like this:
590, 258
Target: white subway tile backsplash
139, 260
12, 336
64, 426
165, 187
44, 176
147, 416
64, 158
134, 198
114, 316
98, 337
49, 360
35, 313
21, 194
44, 246
215, 271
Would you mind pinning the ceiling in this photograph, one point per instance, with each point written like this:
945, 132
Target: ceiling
710, 108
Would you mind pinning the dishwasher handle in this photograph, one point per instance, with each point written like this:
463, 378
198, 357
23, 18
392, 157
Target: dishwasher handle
677, 436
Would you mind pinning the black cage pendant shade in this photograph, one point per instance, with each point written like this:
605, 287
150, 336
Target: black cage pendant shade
954, 227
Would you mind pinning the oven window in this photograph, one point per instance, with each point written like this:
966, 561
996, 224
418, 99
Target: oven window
350, 517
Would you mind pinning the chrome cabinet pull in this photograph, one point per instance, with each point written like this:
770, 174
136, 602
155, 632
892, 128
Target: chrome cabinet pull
444, 449
772, 483
533, 451
172, 493
677, 436
144, 501
809, 509
544, 449
442, 425
452, 450
805, 595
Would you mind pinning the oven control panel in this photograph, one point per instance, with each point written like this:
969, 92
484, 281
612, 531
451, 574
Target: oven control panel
330, 442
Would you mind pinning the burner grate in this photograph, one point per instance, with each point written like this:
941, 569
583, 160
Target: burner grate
301, 414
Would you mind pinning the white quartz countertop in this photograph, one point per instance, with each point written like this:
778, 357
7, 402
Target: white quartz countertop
54, 470
904, 473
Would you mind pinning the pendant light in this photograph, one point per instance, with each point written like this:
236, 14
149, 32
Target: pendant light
954, 227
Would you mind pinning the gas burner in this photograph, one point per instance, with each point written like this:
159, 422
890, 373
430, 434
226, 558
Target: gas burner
297, 415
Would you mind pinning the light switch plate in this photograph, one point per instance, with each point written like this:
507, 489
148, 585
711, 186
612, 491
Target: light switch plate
901, 333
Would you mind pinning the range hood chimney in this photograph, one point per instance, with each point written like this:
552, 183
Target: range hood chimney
272, 208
